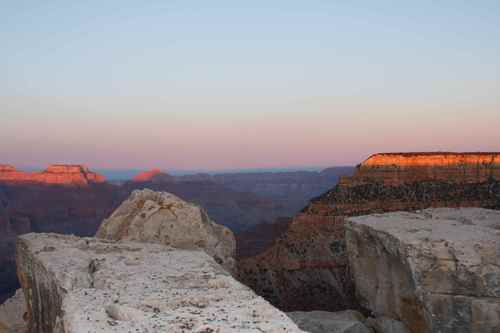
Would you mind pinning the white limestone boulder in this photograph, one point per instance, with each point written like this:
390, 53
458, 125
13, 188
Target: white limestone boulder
161, 217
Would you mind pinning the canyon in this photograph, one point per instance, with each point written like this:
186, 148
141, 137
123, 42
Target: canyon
71, 199
160, 264
157, 264
312, 252
35, 207
408, 243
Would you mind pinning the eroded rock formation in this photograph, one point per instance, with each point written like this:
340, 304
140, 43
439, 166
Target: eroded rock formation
161, 217
437, 270
79, 285
312, 252
56, 174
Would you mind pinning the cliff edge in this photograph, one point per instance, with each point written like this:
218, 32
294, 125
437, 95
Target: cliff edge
312, 252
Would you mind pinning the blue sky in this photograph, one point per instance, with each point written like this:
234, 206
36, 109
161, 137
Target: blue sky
341, 62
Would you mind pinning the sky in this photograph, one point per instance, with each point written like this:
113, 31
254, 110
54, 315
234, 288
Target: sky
213, 85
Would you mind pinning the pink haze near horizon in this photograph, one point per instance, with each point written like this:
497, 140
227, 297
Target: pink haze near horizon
146, 132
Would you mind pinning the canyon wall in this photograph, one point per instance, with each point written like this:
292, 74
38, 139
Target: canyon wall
312, 251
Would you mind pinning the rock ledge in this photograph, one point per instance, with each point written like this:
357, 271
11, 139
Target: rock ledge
90, 285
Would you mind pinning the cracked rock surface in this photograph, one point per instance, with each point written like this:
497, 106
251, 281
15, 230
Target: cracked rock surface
436, 270
77, 285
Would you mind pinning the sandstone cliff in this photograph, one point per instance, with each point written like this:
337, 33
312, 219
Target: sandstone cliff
312, 252
56, 174
437, 270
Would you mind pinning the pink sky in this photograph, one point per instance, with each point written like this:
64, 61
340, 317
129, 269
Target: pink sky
146, 132
259, 85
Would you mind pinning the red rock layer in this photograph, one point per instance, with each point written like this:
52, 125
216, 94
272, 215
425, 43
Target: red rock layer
307, 268
56, 174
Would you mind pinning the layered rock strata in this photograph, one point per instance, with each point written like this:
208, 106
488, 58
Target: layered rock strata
307, 267
56, 174
437, 270
161, 217
92, 285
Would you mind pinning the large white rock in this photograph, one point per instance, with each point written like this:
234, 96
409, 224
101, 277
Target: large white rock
81, 285
437, 270
161, 217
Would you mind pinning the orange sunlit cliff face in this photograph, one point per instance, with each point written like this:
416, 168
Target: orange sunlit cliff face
432, 159
56, 174
397, 168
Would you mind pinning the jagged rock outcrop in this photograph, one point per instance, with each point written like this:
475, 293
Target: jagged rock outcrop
161, 217
437, 270
80, 285
12, 314
307, 267
56, 174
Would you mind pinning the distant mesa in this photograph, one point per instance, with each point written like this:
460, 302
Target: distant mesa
55, 174
153, 175
432, 159
399, 168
